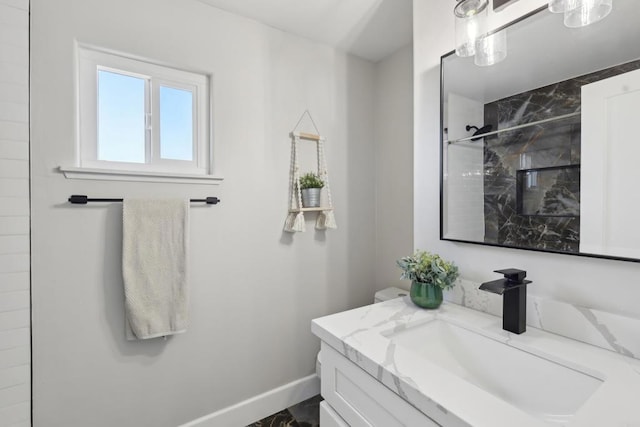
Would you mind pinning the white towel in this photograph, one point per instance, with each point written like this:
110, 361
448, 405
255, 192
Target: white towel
154, 266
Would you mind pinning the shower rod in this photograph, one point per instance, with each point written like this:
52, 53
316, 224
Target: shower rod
522, 126
80, 199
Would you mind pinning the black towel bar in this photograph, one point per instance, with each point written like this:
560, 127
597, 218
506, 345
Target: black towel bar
80, 199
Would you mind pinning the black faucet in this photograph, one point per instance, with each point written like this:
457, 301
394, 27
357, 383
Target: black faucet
513, 288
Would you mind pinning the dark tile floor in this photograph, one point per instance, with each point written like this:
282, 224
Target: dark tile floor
304, 414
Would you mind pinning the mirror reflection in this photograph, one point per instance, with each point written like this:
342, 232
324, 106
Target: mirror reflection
538, 150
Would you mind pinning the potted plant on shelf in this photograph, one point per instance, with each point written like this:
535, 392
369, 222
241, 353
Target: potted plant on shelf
429, 275
310, 186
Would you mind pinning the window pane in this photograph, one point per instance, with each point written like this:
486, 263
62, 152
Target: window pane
121, 118
176, 124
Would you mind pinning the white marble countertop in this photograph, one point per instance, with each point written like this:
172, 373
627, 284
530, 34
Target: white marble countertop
449, 399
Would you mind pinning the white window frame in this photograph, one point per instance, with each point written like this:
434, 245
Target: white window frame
91, 60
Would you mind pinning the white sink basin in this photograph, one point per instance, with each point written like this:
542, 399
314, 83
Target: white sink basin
543, 388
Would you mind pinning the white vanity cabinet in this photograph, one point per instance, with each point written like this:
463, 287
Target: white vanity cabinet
329, 417
355, 398
394, 364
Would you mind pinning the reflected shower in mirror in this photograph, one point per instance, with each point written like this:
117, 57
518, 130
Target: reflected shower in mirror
519, 168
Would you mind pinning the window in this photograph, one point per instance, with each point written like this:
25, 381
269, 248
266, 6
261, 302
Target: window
136, 117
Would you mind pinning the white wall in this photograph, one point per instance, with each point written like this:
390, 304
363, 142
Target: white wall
14, 214
393, 127
463, 202
463, 211
602, 284
254, 289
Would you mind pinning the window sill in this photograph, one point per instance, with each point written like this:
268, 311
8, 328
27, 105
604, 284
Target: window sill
121, 175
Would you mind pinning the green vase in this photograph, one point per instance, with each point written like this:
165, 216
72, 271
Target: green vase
426, 295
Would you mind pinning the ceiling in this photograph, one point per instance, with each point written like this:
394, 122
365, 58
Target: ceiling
370, 29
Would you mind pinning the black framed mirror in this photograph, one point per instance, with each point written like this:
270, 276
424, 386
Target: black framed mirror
539, 151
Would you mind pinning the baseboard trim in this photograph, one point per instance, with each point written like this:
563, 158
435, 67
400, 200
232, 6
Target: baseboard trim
263, 405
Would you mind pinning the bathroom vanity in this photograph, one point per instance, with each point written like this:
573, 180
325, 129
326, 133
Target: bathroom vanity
394, 364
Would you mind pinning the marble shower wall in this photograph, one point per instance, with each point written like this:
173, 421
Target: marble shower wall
538, 208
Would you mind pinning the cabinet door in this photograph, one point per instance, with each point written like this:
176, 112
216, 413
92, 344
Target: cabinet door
329, 417
360, 399
609, 201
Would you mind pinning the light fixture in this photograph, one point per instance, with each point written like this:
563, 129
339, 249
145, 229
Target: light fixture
491, 48
586, 12
558, 6
580, 13
471, 24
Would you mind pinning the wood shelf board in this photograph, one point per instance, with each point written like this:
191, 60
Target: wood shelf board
310, 210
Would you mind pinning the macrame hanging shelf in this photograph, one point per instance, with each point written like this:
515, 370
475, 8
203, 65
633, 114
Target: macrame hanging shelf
295, 219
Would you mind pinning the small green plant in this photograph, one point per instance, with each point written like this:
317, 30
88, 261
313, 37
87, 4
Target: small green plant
310, 180
425, 267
